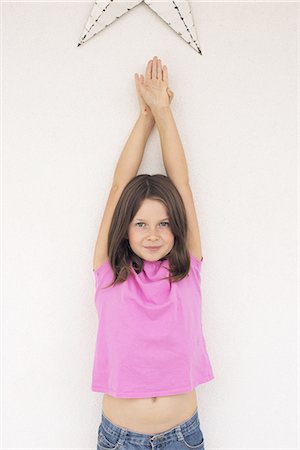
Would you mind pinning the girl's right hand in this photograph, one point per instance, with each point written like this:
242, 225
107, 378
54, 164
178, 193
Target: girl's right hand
154, 88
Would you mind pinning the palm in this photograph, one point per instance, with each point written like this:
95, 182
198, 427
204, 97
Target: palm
155, 93
154, 89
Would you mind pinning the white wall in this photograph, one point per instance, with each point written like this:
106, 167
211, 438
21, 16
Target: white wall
67, 112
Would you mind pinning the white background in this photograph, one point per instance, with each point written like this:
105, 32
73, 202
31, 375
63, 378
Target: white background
67, 112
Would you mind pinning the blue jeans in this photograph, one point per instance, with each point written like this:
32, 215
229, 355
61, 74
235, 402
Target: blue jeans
186, 435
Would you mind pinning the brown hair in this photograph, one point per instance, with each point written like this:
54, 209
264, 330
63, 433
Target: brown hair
157, 187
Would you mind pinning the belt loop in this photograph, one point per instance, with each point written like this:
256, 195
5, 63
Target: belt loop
178, 432
122, 437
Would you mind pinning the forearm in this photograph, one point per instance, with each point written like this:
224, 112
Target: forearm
172, 150
132, 154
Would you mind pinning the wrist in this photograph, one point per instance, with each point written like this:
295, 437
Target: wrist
161, 112
147, 117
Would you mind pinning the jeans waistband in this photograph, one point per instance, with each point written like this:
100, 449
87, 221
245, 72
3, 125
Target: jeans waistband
141, 438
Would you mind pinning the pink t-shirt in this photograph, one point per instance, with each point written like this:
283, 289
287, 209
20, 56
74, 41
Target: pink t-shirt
150, 340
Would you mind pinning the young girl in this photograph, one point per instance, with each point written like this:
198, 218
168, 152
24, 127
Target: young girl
150, 349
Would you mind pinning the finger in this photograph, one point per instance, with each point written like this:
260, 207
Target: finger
159, 72
136, 79
149, 70
142, 90
154, 68
165, 74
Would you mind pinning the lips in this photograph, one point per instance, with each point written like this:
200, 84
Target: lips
153, 248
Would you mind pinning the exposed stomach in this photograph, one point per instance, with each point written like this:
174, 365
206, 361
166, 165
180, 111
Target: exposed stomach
150, 415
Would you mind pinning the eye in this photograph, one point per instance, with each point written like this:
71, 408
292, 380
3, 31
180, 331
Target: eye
142, 223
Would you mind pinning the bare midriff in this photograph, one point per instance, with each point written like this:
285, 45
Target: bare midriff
150, 415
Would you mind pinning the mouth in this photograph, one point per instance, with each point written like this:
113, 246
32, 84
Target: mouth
153, 249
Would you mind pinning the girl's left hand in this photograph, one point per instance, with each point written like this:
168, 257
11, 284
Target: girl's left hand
145, 110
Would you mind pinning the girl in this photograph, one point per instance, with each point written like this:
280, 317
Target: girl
150, 350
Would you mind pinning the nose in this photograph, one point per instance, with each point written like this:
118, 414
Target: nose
153, 235
153, 238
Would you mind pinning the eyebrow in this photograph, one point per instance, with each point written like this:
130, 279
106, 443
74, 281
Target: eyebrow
159, 220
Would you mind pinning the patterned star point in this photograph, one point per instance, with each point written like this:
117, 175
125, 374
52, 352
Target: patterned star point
176, 16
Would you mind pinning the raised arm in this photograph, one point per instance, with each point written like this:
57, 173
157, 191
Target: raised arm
127, 167
154, 92
176, 168
132, 154
172, 150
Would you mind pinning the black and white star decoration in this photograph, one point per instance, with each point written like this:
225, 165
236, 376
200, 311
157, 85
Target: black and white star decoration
177, 14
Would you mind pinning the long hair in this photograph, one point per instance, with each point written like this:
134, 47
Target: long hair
157, 187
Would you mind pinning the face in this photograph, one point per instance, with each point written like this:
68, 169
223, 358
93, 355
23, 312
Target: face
150, 228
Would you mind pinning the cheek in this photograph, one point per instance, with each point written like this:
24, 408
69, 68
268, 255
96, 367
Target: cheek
169, 232
134, 235
171, 237
168, 235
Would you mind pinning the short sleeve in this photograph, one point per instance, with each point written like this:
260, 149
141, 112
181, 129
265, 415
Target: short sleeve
196, 265
100, 272
196, 260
